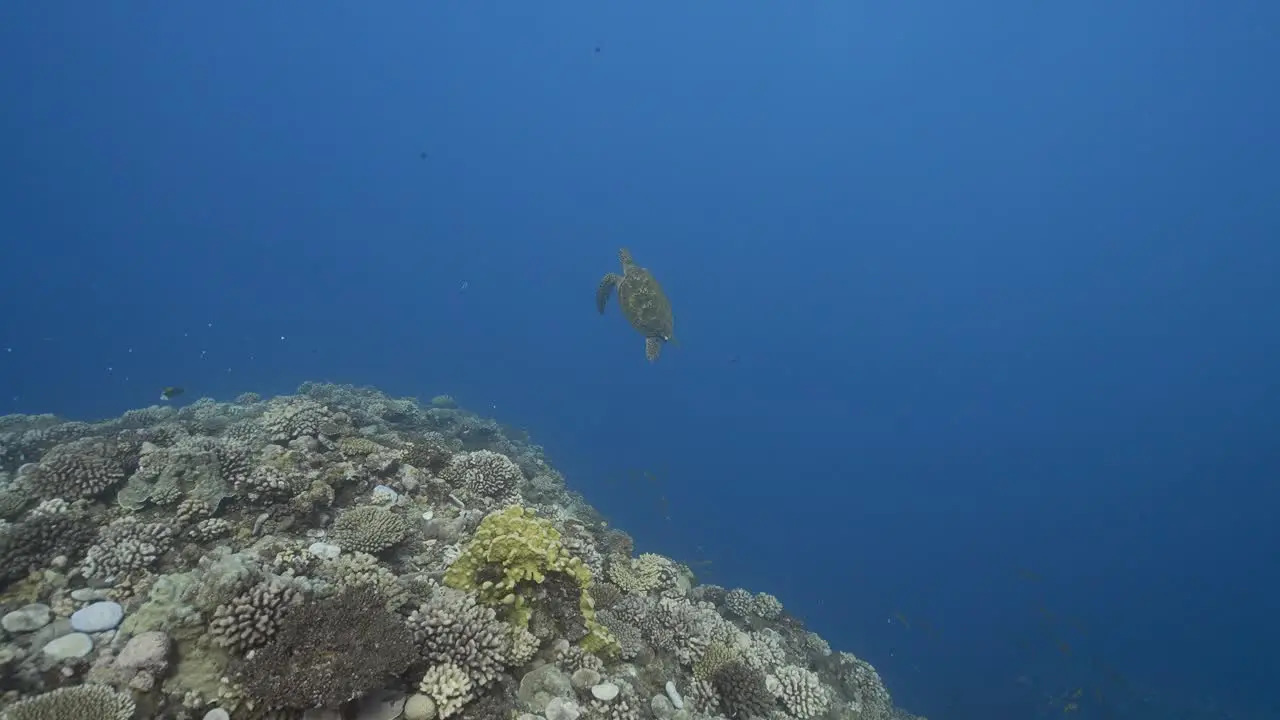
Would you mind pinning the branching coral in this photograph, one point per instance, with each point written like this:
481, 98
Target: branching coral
449, 686
76, 470
742, 691
329, 651
648, 573
801, 692
863, 687
483, 474
253, 617
81, 702
453, 628
126, 545
369, 529
35, 541
294, 418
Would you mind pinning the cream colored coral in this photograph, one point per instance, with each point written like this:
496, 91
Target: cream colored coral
449, 686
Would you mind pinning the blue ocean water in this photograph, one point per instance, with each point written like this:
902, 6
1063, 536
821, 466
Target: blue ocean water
977, 306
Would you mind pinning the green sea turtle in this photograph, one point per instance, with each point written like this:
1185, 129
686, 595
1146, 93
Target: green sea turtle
643, 303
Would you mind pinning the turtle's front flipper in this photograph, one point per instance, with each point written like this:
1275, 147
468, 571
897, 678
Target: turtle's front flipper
607, 284
652, 348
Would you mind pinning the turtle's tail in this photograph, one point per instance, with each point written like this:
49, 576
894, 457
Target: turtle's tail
652, 348
607, 284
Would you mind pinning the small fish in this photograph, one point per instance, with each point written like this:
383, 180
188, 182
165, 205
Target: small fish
171, 392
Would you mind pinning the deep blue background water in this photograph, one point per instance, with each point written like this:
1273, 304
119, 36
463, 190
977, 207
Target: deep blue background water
978, 305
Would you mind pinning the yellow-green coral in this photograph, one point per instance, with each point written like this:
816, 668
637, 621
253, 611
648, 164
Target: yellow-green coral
350, 445
512, 549
647, 573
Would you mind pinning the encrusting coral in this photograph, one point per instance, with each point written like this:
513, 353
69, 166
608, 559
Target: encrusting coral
345, 550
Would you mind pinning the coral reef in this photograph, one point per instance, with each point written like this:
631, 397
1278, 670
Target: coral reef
340, 551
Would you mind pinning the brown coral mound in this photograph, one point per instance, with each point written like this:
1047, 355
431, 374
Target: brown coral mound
328, 652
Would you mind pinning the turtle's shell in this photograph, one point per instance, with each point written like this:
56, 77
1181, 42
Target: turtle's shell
644, 304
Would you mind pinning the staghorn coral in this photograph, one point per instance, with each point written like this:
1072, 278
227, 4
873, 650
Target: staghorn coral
252, 617
369, 529
327, 652
80, 702
453, 628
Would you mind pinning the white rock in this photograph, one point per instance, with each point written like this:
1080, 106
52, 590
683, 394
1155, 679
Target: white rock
661, 707
87, 594
75, 645
27, 618
605, 691
384, 494
324, 550
145, 651
674, 694
217, 714
97, 617
561, 709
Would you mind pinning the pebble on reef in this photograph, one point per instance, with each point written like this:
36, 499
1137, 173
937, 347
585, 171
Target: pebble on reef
674, 694
27, 618
99, 616
75, 645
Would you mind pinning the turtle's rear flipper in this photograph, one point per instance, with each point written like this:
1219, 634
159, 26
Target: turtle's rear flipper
607, 284
652, 348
